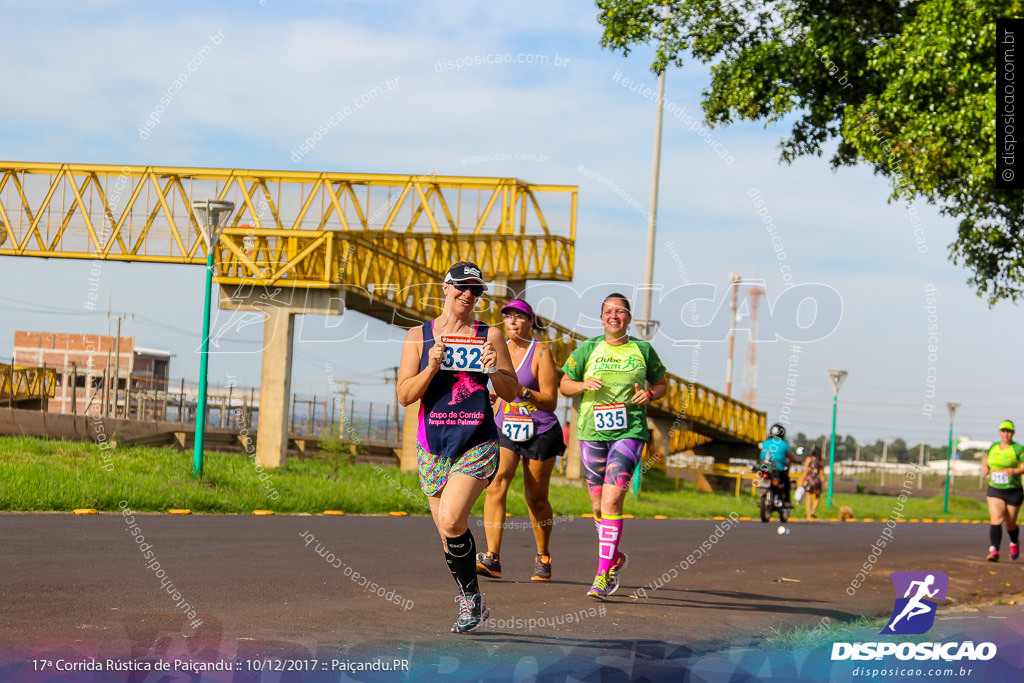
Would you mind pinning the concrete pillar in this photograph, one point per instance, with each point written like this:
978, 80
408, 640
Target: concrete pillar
573, 463
658, 448
275, 387
280, 305
410, 425
503, 288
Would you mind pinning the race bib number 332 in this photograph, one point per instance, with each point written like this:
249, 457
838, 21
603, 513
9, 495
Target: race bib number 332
462, 354
608, 416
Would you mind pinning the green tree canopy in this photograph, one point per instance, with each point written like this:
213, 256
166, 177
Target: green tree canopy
905, 86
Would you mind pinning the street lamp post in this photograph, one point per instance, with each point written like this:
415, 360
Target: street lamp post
210, 214
951, 407
836, 377
647, 327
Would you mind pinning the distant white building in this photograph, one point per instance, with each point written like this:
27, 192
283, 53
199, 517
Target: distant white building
957, 466
965, 443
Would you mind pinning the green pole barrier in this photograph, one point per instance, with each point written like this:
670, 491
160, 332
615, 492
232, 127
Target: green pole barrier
832, 449
200, 438
951, 407
949, 460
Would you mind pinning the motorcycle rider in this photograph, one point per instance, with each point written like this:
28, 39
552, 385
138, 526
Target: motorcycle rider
777, 453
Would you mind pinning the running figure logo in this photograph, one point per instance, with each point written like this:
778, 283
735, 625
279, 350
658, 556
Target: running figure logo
914, 613
465, 384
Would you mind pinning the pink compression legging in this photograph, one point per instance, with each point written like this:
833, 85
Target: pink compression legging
611, 462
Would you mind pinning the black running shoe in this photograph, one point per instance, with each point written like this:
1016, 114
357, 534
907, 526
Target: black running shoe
473, 613
488, 564
541, 568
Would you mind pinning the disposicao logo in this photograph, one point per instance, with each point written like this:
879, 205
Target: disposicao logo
914, 613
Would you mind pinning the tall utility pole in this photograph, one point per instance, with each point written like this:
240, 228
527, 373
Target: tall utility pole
394, 380
885, 451
117, 357
341, 411
647, 326
921, 463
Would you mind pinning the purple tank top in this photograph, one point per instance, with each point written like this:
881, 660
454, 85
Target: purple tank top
543, 420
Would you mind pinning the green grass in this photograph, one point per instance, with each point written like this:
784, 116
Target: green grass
36, 474
825, 633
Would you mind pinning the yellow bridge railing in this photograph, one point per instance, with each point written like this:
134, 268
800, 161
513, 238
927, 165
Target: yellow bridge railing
24, 384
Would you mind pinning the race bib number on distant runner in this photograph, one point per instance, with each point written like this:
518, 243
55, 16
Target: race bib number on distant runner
462, 354
517, 428
608, 416
1000, 478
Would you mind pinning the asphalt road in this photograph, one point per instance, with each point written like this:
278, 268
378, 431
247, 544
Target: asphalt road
81, 587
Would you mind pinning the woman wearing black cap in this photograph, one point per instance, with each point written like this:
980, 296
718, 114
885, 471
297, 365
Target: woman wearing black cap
1003, 465
529, 430
445, 366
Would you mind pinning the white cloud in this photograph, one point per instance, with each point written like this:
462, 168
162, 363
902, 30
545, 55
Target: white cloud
282, 71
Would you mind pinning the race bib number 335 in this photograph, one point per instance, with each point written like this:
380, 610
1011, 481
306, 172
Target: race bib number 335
608, 416
462, 354
1000, 478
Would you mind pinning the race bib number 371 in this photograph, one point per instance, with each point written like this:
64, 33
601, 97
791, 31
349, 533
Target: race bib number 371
608, 416
462, 354
517, 428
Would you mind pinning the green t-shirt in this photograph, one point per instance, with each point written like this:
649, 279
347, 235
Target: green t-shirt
1000, 458
619, 368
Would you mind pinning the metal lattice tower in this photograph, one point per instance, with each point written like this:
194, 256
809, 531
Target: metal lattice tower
749, 395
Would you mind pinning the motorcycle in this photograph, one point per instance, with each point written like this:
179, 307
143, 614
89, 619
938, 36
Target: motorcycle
771, 493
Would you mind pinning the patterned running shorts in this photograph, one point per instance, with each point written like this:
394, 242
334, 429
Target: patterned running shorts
479, 462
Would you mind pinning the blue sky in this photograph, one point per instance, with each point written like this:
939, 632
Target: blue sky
82, 79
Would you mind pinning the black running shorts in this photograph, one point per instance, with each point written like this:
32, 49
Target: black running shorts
1013, 497
542, 446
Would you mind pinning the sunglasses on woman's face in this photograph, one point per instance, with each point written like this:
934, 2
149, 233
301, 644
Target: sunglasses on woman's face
474, 290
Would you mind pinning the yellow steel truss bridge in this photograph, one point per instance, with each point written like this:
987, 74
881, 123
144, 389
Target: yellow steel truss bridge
376, 239
19, 385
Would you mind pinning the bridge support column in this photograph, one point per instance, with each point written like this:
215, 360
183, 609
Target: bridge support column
275, 387
573, 463
507, 289
410, 425
280, 306
658, 445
